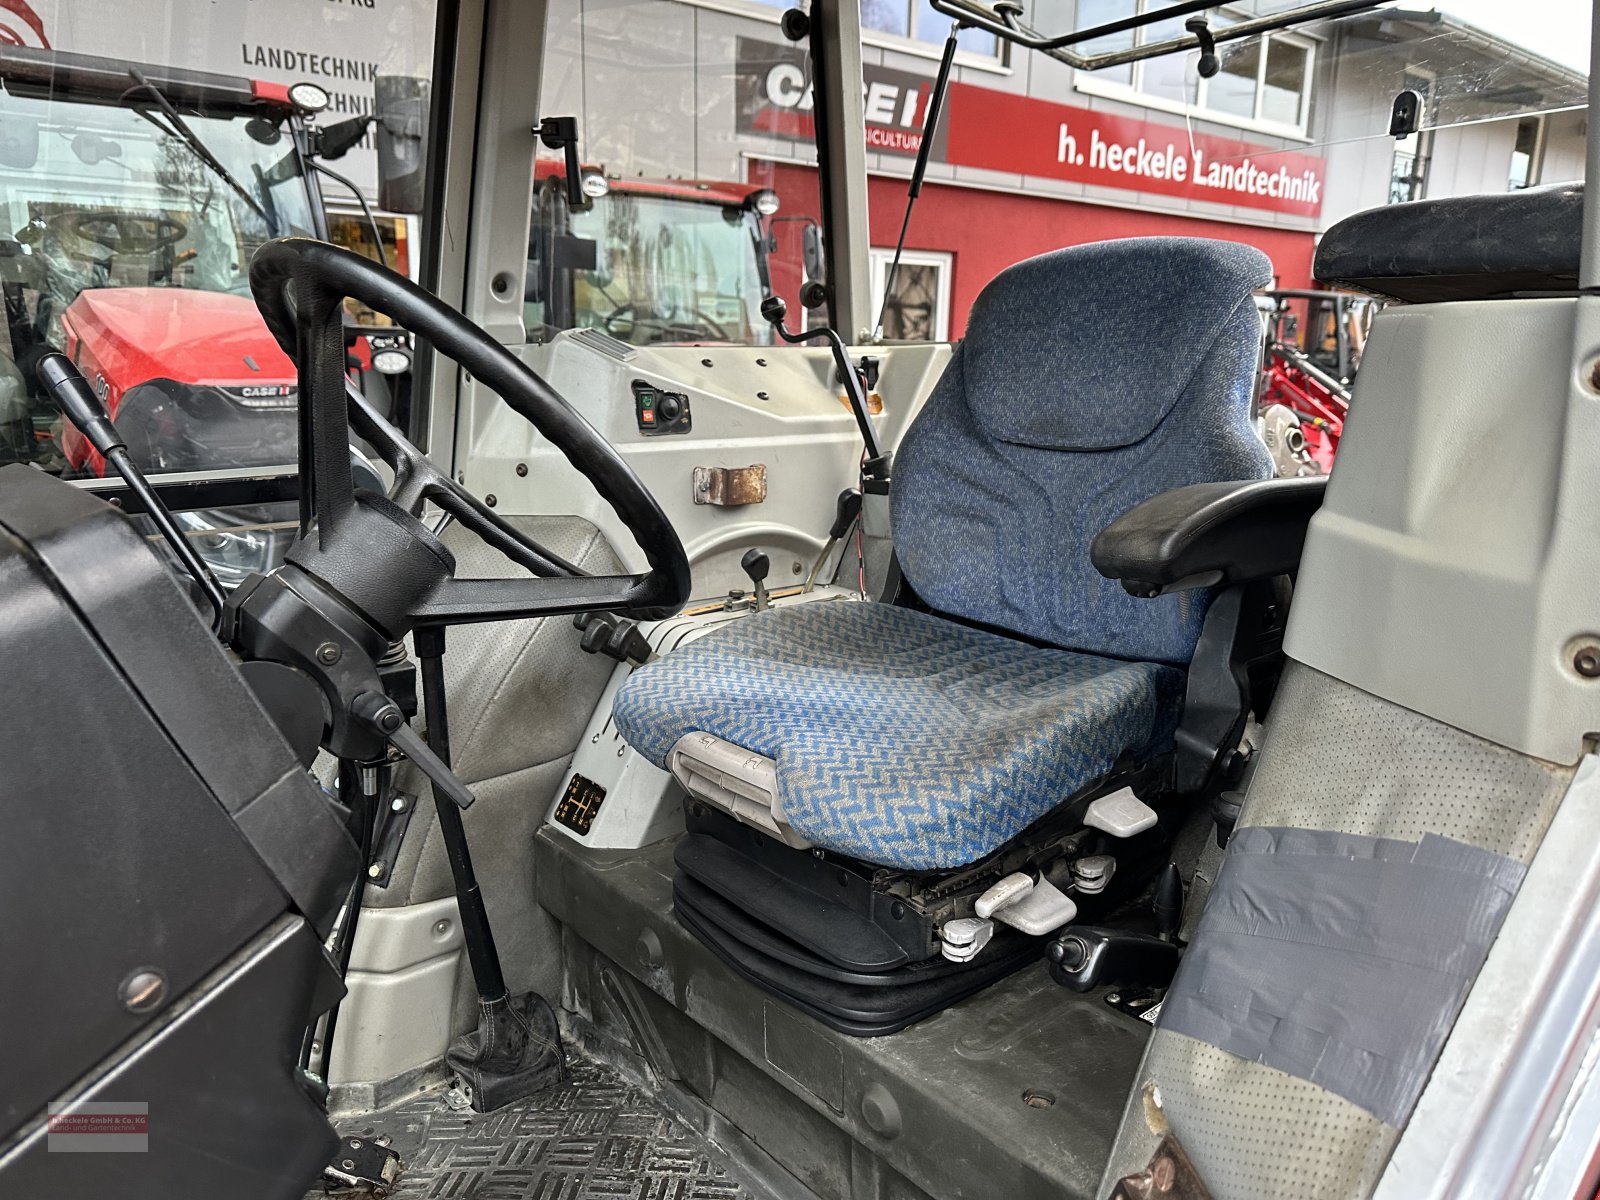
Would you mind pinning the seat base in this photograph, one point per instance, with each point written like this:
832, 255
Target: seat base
858, 946
901, 998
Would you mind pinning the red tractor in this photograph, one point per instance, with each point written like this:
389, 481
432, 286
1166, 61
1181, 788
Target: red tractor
1313, 348
649, 261
134, 197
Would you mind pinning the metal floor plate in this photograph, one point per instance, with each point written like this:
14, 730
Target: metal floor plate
595, 1136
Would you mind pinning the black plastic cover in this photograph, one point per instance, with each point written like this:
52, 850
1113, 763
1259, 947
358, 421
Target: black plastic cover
1459, 248
1209, 533
154, 820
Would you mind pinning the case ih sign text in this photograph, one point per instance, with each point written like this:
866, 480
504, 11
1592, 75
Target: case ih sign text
1054, 141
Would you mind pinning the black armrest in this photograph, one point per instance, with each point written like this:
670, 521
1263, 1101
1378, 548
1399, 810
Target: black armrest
1209, 533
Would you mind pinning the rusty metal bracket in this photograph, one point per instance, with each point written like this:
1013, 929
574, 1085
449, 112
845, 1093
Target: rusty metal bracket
1170, 1176
730, 487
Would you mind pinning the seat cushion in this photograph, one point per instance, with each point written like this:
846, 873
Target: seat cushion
901, 738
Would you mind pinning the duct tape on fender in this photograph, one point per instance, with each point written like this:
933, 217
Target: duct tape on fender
1341, 959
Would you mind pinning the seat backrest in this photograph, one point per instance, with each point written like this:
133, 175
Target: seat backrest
1090, 379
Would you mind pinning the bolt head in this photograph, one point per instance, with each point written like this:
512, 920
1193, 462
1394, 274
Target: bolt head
143, 991
398, 804
375, 871
328, 653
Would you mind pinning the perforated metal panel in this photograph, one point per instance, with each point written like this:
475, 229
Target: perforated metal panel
1338, 759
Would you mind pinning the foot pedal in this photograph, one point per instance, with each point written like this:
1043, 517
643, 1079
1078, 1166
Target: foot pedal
362, 1167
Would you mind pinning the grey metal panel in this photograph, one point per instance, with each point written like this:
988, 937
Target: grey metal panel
1451, 569
953, 1084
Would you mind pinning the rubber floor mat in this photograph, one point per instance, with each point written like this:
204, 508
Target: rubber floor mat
594, 1137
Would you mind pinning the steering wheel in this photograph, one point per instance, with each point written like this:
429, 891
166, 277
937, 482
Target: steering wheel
300, 286
128, 232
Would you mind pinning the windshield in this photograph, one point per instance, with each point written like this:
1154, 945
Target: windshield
666, 269
98, 204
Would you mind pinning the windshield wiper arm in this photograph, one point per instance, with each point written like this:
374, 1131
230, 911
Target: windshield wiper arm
191, 139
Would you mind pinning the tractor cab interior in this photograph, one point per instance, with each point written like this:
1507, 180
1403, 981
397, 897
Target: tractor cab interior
713, 747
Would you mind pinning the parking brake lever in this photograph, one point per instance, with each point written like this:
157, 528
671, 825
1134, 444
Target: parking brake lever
384, 715
78, 403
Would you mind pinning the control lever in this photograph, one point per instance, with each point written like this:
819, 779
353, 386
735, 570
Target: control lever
615, 637
756, 565
1083, 958
1167, 904
876, 464
384, 715
78, 403
845, 512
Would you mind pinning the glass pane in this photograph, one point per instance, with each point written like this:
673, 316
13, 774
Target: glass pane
912, 311
134, 192
886, 16
1170, 77
700, 178
934, 27
1233, 89
1284, 89
671, 268
1092, 13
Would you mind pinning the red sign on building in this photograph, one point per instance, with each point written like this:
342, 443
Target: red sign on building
1004, 132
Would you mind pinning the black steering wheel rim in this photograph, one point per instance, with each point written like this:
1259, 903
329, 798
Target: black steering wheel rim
300, 285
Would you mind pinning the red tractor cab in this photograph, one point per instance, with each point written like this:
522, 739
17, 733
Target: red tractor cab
133, 199
649, 261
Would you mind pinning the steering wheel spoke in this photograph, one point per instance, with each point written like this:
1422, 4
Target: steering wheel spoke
300, 286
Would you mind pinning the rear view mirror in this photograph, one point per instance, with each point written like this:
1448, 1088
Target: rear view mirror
19, 142
338, 139
816, 267
402, 121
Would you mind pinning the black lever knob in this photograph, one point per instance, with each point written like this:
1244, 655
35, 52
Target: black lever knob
846, 510
774, 310
756, 565
78, 403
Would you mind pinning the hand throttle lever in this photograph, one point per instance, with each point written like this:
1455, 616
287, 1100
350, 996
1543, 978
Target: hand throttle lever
384, 715
78, 403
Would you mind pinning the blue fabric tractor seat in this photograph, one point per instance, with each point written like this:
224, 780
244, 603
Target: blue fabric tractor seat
1090, 379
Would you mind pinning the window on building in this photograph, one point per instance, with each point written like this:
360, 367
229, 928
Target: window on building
1264, 81
919, 306
916, 20
1525, 154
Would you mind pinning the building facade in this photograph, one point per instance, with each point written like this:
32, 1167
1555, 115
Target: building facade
1031, 155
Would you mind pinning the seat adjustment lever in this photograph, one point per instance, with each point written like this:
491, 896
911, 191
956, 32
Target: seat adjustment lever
1084, 958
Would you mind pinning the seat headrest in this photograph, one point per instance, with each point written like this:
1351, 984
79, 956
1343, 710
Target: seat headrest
1089, 348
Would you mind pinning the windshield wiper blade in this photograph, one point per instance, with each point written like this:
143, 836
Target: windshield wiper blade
191, 139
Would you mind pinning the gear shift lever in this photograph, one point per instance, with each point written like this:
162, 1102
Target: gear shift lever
756, 565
